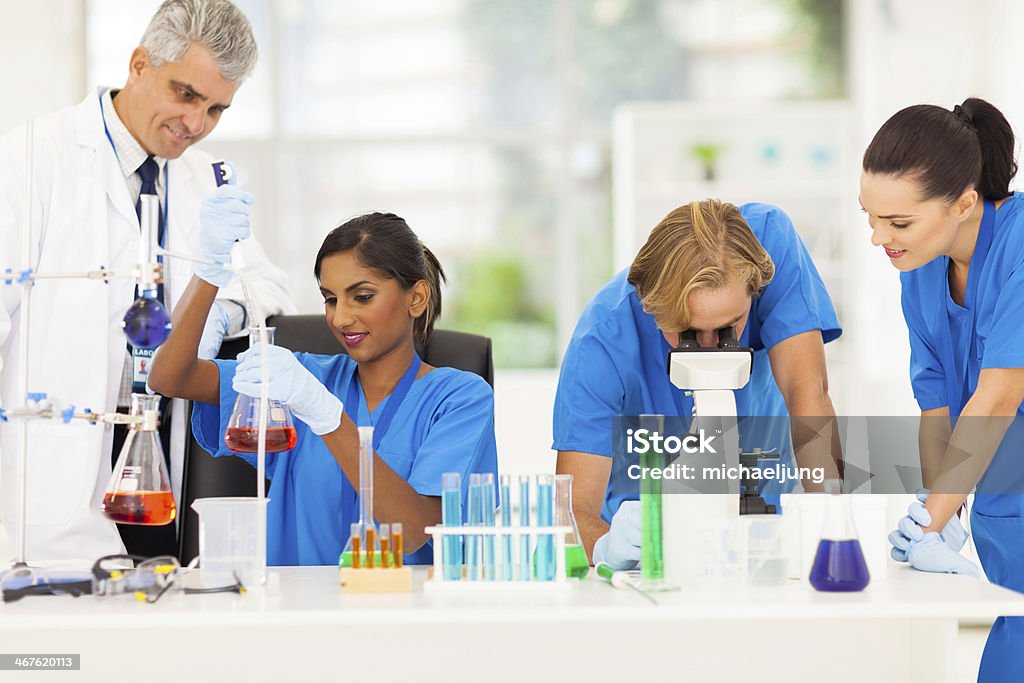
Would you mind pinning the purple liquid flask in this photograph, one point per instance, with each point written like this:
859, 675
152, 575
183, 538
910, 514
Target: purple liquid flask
839, 562
146, 323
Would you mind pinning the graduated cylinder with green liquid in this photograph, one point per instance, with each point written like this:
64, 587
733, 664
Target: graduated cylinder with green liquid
652, 560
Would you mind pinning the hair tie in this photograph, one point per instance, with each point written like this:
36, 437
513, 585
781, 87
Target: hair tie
963, 117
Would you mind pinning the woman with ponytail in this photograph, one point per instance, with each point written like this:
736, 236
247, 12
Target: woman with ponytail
935, 187
382, 295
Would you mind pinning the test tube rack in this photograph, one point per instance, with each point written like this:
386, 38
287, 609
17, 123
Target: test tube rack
559, 582
376, 579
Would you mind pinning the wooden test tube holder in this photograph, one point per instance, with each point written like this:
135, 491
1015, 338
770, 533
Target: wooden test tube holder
376, 580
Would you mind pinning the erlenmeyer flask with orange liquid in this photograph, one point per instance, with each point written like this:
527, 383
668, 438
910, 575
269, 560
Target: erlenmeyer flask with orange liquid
139, 491
242, 435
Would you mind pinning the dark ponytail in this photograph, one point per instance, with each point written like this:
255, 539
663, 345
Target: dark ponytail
385, 243
947, 152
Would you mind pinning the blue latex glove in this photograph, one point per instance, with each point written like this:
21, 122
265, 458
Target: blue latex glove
953, 534
291, 384
213, 333
223, 220
620, 547
929, 553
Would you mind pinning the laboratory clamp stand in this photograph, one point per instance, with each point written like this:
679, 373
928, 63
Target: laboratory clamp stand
146, 324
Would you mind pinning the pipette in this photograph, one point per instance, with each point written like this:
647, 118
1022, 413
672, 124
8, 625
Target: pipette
620, 579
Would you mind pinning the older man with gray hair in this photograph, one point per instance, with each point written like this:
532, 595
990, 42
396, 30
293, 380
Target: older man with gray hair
91, 163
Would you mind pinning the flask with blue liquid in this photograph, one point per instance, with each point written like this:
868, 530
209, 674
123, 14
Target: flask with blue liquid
839, 562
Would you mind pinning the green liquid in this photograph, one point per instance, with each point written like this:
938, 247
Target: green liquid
652, 565
346, 559
576, 563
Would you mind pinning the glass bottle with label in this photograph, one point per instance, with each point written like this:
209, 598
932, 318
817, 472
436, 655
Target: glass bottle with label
242, 435
139, 491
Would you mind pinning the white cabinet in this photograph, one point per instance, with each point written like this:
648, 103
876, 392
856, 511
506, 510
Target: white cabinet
794, 155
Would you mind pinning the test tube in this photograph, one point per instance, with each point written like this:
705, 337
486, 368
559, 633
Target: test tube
545, 556
505, 499
451, 516
487, 506
396, 544
524, 523
371, 547
385, 546
356, 542
476, 519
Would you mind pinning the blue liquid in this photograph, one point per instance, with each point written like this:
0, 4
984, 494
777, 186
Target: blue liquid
506, 539
487, 505
473, 545
524, 521
839, 566
545, 557
451, 515
146, 323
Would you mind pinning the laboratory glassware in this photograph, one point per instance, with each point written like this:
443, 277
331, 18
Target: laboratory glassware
487, 508
576, 563
451, 515
396, 544
146, 323
367, 529
475, 517
242, 435
839, 562
544, 557
139, 490
505, 504
652, 565
524, 522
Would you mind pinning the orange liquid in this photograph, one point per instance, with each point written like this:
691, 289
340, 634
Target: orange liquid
148, 508
246, 439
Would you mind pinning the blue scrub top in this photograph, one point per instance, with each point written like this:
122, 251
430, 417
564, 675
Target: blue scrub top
445, 424
951, 344
616, 360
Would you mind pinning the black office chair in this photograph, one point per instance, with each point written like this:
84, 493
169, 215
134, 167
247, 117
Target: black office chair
205, 476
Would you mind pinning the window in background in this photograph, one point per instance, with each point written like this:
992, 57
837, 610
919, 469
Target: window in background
484, 123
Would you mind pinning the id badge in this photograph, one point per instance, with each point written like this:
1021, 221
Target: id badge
141, 361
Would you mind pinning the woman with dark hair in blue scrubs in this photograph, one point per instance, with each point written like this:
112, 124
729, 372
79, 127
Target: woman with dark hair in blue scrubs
935, 186
382, 294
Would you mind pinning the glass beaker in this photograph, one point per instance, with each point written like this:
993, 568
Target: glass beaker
139, 490
839, 562
242, 435
576, 563
232, 540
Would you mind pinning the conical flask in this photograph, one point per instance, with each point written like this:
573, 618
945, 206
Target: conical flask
576, 563
242, 435
839, 562
139, 491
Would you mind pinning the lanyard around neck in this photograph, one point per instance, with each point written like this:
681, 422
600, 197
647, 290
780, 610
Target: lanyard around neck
394, 400
162, 229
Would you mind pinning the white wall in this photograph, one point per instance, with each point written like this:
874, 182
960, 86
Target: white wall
903, 53
41, 48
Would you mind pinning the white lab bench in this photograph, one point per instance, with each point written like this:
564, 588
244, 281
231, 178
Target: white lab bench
301, 627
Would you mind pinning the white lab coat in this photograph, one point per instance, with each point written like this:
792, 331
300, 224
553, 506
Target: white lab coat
84, 218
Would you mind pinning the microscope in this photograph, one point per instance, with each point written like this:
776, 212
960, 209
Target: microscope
711, 375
